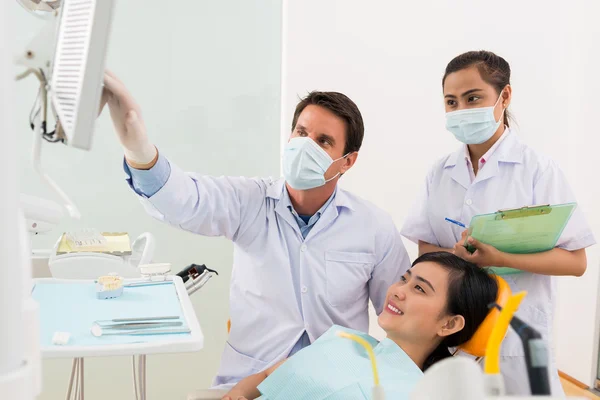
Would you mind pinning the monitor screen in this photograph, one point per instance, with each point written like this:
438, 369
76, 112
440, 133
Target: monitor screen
78, 67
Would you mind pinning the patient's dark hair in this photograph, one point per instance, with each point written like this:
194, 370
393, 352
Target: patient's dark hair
470, 290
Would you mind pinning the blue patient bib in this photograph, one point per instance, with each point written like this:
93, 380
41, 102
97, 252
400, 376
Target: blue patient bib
337, 368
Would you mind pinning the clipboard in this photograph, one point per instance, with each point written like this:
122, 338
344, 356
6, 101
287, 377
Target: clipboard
526, 230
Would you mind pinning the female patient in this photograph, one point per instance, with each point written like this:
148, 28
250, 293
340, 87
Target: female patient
438, 303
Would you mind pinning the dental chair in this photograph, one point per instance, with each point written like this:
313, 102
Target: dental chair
476, 347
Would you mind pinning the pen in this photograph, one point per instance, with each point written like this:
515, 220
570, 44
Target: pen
456, 222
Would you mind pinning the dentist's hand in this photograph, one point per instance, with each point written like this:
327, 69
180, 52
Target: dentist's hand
127, 119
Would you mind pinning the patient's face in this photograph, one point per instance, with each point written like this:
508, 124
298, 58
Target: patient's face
416, 304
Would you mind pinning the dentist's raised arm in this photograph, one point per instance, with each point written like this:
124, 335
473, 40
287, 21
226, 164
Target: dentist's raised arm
194, 202
127, 119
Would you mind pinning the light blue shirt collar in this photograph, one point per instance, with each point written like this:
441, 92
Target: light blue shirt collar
306, 227
341, 199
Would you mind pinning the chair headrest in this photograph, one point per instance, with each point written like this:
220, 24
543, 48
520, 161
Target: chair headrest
478, 343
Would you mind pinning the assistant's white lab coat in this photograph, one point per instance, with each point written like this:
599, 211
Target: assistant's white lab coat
514, 176
354, 252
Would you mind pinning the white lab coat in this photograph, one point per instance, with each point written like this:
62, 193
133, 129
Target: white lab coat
353, 253
514, 176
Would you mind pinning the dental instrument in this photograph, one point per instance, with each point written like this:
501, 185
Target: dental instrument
136, 326
98, 331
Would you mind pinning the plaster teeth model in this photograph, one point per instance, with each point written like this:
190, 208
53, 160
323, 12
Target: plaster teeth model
109, 287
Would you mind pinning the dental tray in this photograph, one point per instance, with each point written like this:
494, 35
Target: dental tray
71, 306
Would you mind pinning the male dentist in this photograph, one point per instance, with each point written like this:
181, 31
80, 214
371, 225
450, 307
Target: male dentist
307, 254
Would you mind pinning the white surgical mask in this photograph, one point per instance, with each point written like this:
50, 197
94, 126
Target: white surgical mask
305, 164
474, 125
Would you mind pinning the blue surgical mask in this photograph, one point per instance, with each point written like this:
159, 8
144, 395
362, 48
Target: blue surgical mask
305, 164
474, 125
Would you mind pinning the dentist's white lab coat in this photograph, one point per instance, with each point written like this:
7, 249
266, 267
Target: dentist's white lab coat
514, 176
354, 252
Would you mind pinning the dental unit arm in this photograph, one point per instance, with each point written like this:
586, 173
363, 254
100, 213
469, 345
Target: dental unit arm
494, 382
536, 356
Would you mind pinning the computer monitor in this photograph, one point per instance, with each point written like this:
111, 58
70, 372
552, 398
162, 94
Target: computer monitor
78, 67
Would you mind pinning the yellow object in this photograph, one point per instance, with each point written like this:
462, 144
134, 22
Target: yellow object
117, 244
492, 355
110, 282
369, 350
477, 346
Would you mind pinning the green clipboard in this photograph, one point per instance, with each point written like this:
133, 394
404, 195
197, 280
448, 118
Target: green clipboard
531, 229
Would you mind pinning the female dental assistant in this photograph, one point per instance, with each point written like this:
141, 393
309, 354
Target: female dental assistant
494, 170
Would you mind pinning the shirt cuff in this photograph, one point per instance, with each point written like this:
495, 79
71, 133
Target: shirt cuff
147, 182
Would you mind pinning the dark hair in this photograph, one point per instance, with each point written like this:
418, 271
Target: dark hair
470, 290
340, 105
492, 68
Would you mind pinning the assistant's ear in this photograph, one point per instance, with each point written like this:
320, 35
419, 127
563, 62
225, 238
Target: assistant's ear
506, 96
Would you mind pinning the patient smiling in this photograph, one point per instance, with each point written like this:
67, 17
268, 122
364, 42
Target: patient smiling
439, 303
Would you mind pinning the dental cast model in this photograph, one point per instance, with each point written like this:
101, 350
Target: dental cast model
109, 287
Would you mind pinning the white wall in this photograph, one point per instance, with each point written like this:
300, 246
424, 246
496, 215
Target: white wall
207, 75
389, 57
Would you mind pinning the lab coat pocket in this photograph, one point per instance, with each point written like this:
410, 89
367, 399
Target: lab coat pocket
535, 308
347, 275
237, 365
